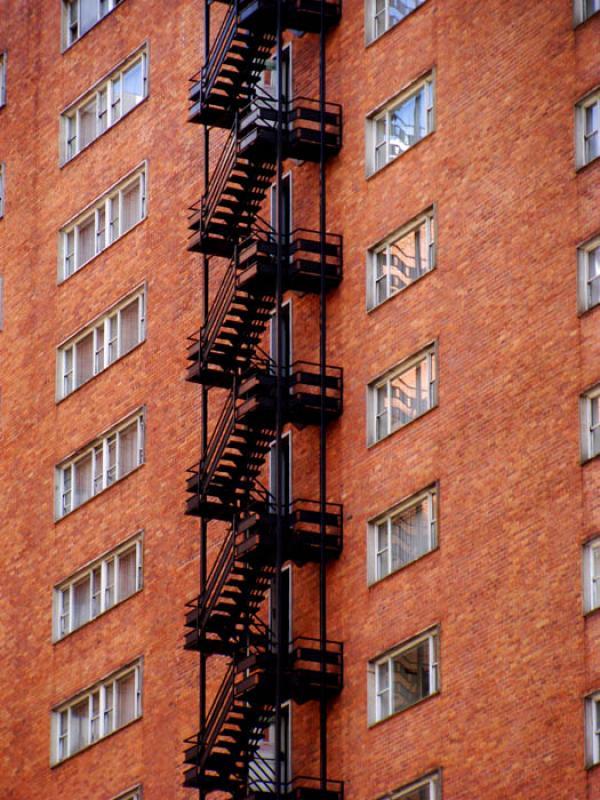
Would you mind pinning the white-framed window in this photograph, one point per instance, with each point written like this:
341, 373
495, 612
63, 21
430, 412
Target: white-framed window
100, 464
588, 270
584, 9
100, 344
403, 534
401, 124
104, 583
80, 15
587, 126
403, 676
402, 394
590, 423
401, 259
3, 61
591, 575
2, 188
103, 106
97, 712
102, 223
592, 725
429, 787
384, 14
131, 794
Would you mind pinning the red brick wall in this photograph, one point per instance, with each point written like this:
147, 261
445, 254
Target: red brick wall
517, 656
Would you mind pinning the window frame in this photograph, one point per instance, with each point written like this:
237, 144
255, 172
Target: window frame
587, 422
430, 494
426, 82
427, 217
104, 217
590, 100
66, 352
580, 13
101, 454
66, 23
592, 729
371, 34
433, 780
2, 189
3, 77
430, 355
584, 251
375, 691
70, 118
135, 793
591, 581
106, 714
63, 620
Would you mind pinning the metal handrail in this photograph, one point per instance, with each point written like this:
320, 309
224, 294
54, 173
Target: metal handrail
218, 179
219, 438
219, 50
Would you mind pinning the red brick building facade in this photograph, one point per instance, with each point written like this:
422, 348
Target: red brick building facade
487, 437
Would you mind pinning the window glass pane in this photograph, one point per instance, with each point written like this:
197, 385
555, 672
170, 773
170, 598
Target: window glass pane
110, 583
595, 425
81, 601
407, 123
87, 241
84, 358
410, 394
382, 412
382, 550
68, 371
591, 6
113, 333
595, 577
127, 573
69, 253
95, 721
89, 14
128, 449
400, 8
102, 111
593, 264
130, 335
116, 98
410, 534
408, 258
87, 124
96, 591
111, 467
80, 715
83, 479
411, 676
133, 86
592, 142
65, 610
108, 708
114, 218
126, 700
101, 231
131, 205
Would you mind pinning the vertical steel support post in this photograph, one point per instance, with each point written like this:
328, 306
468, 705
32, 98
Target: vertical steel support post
323, 419
278, 605
204, 403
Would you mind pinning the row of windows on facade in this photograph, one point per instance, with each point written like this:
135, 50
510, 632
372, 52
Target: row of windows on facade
81, 15
385, 14
410, 117
116, 701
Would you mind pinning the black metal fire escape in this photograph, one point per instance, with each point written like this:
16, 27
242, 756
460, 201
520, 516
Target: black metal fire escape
263, 393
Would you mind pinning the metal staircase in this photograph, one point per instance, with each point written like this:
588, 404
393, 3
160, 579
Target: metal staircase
261, 395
